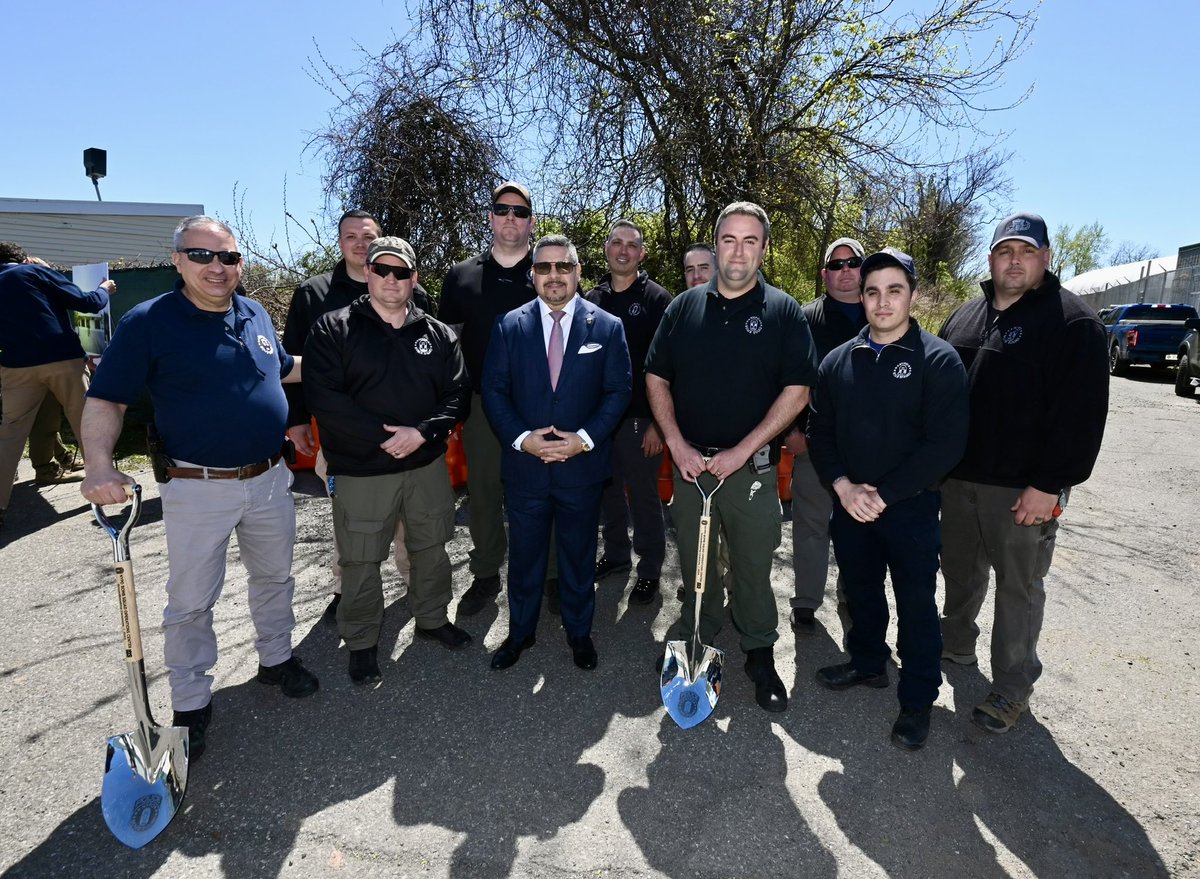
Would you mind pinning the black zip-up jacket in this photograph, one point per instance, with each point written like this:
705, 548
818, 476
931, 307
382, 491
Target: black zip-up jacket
361, 373
1038, 379
640, 308
314, 297
896, 420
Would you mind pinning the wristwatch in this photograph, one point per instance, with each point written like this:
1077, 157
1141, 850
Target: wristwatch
587, 447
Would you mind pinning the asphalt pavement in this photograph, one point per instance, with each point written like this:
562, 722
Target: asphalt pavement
449, 769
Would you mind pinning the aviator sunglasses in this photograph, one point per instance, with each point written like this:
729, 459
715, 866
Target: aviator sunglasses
517, 210
559, 268
836, 265
205, 256
400, 273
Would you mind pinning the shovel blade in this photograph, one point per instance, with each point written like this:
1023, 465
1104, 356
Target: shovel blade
145, 776
690, 694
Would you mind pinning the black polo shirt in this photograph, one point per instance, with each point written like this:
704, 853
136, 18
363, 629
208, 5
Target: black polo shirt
729, 359
478, 292
640, 307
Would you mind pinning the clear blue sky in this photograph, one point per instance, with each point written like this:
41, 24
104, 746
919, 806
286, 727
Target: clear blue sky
190, 103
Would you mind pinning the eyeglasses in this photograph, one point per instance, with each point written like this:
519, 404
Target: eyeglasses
400, 273
204, 257
836, 265
559, 268
517, 210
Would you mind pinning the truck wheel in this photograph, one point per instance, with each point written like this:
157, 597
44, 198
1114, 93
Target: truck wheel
1116, 364
1183, 378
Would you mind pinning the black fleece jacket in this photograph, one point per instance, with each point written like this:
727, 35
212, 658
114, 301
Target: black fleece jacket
361, 373
1038, 379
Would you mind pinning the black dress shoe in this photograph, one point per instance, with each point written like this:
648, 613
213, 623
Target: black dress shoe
911, 728
447, 634
769, 692
509, 652
804, 621
845, 676
364, 666
604, 567
482, 589
644, 591
330, 614
196, 721
583, 651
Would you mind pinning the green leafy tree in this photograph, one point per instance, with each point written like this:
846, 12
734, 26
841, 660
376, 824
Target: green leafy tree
675, 109
1074, 252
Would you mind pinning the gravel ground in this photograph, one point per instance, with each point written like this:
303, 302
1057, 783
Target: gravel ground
451, 770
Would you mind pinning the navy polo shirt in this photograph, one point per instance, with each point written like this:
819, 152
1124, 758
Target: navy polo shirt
36, 303
213, 377
729, 359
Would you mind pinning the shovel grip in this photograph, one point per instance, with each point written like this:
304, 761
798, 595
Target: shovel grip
127, 600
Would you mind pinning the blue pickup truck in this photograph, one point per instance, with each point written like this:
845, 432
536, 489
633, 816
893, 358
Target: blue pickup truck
1145, 333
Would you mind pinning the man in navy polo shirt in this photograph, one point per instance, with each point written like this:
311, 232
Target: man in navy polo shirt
888, 422
214, 367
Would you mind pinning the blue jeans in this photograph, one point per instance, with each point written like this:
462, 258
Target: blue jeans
904, 541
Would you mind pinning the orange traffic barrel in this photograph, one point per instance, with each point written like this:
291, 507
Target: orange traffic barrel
307, 462
456, 459
786, 461
666, 478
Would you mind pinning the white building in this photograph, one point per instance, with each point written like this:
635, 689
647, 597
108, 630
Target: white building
67, 233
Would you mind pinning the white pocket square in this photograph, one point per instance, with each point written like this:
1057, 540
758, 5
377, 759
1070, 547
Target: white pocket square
590, 347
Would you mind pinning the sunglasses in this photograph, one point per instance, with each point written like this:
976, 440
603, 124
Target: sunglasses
204, 257
517, 210
836, 265
559, 268
400, 273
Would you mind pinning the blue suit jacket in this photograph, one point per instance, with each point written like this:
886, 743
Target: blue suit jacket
593, 392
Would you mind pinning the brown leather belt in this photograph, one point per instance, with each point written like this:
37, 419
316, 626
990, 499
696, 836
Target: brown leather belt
249, 471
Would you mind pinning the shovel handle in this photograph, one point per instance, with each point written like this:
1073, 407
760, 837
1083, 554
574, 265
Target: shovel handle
705, 534
123, 567
127, 600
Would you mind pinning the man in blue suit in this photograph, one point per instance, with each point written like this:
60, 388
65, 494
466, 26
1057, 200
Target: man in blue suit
556, 382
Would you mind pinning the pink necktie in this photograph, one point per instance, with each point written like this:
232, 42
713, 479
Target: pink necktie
555, 352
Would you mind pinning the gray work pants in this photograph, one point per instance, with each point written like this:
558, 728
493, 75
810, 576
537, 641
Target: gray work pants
200, 515
979, 535
812, 505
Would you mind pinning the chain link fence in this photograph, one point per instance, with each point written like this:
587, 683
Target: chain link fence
1180, 285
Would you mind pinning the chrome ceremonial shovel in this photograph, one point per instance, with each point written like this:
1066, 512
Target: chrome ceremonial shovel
145, 771
690, 692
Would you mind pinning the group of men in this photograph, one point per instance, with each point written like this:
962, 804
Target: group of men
567, 402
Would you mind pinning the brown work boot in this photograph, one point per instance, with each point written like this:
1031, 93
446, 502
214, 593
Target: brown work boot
996, 714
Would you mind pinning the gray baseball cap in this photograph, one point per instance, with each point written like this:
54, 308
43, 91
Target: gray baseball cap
393, 246
852, 243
